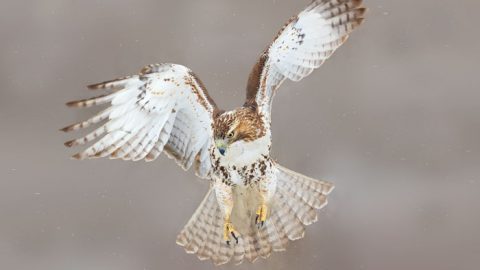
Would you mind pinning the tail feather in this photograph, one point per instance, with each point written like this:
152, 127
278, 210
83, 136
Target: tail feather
305, 183
273, 239
200, 228
304, 212
224, 252
264, 247
198, 223
206, 251
292, 208
239, 252
281, 239
250, 248
292, 225
313, 192
309, 198
217, 241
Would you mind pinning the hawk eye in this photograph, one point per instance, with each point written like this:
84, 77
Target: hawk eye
230, 135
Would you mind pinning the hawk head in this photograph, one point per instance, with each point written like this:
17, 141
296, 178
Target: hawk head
240, 125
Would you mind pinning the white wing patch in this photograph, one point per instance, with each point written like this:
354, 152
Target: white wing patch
163, 109
304, 43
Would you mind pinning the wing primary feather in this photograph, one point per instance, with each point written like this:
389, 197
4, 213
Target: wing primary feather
115, 84
98, 100
131, 143
302, 45
96, 119
89, 137
163, 139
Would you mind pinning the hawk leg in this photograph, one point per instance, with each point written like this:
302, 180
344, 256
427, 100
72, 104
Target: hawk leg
224, 195
266, 189
261, 216
229, 231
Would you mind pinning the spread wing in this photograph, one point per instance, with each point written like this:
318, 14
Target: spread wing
303, 44
165, 108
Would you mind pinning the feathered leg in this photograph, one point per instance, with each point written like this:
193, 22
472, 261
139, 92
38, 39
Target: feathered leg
266, 189
224, 195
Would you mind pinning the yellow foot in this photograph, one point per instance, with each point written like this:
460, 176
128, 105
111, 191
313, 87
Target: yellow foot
229, 230
261, 215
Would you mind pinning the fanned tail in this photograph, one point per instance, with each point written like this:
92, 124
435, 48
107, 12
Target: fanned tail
297, 199
294, 206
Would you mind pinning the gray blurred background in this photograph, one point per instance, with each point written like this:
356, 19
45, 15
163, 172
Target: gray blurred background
392, 119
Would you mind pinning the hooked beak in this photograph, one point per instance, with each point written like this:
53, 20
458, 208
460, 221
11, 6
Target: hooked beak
221, 146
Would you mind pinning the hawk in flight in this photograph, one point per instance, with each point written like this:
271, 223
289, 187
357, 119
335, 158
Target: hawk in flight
254, 205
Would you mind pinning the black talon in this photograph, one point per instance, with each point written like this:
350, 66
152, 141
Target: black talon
228, 242
235, 237
259, 223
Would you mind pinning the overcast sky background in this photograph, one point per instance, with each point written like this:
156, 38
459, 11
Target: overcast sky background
392, 119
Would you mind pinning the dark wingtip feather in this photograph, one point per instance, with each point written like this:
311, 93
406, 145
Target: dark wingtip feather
115, 154
96, 86
101, 85
70, 143
111, 84
360, 21
66, 129
75, 103
77, 156
361, 11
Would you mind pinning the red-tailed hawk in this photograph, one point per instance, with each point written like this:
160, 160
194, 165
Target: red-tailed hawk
254, 205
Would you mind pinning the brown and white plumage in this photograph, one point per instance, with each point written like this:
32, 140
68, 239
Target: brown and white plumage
296, 200
254, 205
303, 44
163, 108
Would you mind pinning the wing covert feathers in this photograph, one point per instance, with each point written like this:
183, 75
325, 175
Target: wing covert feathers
301, 46
294, 206
165, 108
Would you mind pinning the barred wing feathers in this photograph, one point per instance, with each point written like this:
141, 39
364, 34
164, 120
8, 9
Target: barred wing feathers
303, 44
165, 108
